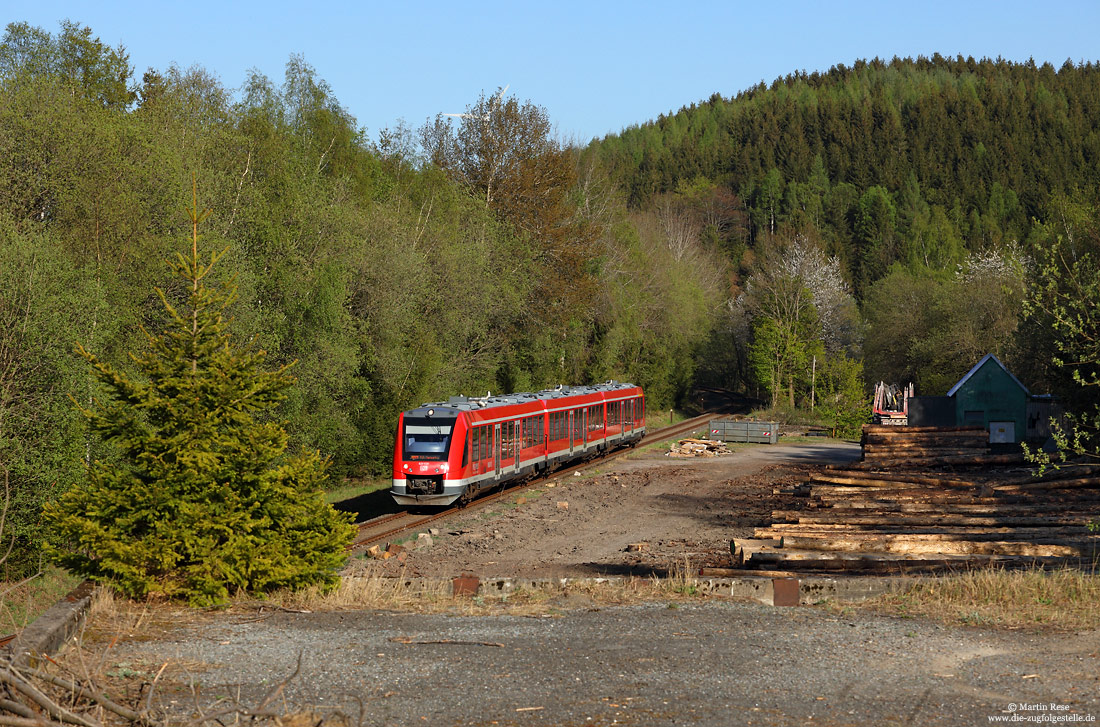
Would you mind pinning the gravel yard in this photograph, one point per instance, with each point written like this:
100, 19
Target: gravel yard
716, 663
701, 661
674, 510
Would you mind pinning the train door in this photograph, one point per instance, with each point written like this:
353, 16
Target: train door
582, 427
497, 442
569, 429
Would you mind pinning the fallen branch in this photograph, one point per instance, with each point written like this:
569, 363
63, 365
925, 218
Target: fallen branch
10, 677
414, 642
100, 699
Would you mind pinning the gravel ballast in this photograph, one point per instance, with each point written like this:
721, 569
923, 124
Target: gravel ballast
707, 663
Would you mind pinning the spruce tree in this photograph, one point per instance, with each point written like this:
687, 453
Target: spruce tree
202, 499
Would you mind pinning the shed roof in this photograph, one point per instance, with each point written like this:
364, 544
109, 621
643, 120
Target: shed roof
978, 366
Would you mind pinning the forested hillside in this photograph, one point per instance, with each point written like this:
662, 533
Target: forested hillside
935, 183
391, 280
917, 161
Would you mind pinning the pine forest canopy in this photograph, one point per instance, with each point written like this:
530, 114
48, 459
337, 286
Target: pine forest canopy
911, 160
482, 254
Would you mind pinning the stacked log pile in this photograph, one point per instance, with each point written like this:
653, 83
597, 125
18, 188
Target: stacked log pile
899, 522
919, 447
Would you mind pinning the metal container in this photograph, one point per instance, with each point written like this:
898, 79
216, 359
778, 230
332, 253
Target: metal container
728, 430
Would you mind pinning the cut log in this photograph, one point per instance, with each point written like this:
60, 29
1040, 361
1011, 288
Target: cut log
977, 460
872, 452
884, 429
947, 533
739, 549
1085, 498
1086, 483
923, 443
992, 509
898, 481
910, 545
808, 559
909, 519
922, 494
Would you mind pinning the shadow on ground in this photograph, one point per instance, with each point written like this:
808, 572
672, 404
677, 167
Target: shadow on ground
370, 505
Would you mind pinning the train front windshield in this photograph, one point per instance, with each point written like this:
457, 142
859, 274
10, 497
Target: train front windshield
427, 437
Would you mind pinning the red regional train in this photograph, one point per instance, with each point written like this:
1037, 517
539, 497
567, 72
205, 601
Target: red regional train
455, 449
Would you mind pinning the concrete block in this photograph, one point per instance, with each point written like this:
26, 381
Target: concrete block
53, 628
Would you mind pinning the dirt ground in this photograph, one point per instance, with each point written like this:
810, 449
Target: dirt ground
710, 662
643, 514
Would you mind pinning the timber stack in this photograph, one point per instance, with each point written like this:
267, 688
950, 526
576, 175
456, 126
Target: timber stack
856, 520
901, 447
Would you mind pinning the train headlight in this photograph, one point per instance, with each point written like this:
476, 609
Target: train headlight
405, 466
445, 468
431, 412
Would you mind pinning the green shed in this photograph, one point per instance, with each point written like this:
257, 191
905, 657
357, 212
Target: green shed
990, 396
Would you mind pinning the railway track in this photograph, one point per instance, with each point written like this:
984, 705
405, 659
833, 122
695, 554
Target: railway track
386, 527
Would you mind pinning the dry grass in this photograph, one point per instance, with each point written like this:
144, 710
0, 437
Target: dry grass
1064, 600
369, 589
23, 602
354, 487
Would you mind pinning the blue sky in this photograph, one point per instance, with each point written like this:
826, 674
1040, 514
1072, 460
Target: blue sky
595, 66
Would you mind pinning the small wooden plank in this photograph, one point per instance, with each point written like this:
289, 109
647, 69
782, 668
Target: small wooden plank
744, 572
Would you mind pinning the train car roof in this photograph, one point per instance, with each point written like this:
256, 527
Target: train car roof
457, 404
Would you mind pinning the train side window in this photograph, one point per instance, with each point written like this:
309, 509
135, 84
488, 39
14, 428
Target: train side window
466, 450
